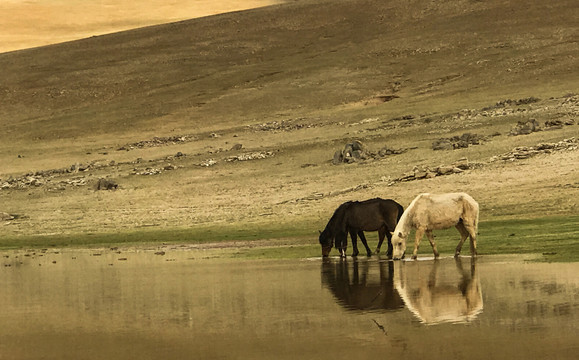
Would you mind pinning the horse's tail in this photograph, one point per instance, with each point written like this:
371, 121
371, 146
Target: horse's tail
476, 219
472, 207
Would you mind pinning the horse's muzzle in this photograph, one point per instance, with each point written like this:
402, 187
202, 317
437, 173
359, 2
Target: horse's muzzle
326, 251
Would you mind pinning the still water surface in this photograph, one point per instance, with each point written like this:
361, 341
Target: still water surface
139, 305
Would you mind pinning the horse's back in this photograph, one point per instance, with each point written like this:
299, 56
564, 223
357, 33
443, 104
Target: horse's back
372, 214
387, 207
440, 211
446, 199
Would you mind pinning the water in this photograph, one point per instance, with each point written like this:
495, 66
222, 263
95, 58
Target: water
181, 305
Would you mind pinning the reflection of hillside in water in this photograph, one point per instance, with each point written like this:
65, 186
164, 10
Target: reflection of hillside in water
436, 294
362, 285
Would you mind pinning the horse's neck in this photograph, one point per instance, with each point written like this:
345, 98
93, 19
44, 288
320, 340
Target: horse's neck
336, 223
405, 222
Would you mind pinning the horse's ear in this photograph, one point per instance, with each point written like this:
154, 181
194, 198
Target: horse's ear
392, 233
320, 231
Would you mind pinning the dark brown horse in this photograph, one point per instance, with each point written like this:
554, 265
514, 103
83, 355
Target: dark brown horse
355, 217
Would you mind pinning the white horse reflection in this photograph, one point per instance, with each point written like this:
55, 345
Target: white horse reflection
456, 298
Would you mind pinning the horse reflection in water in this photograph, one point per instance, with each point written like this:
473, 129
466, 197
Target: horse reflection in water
358, 286
455, 297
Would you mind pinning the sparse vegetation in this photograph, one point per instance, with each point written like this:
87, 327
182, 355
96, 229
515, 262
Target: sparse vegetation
179, 116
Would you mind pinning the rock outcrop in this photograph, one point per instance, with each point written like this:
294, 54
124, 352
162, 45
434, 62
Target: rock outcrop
427, 172
525, 152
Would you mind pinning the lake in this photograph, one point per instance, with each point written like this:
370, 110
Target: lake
184, 304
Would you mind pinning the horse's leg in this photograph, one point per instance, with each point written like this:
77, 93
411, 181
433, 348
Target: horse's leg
419, 234
381, 233
355, 251
463, 235
363, 238
390, 225
342, 243
430, 237
390, 247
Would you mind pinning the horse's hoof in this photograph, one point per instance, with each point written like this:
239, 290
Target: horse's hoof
414, 257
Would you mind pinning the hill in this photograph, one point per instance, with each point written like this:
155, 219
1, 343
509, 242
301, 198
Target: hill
235, 119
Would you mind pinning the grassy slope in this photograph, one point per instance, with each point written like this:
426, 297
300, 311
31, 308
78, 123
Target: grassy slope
314, 63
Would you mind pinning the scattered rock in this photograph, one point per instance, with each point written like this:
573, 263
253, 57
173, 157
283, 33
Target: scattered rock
525, 127
106, 184
462, 164
157, 141
283, 125
319, 195
458, 142
386, 151
427, 172
236, 147
511, 102
525, 152
251, 156
558, 124
356, 151
208, 163
6, 217
147, 171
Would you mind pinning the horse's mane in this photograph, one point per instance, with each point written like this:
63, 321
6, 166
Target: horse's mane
337, 216
404, 220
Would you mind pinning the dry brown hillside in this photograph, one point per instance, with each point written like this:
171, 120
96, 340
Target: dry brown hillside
236, 118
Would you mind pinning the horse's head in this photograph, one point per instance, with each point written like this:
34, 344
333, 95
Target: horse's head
398, 245
326, 241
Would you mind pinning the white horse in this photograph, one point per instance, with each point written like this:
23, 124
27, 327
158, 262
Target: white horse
429, 212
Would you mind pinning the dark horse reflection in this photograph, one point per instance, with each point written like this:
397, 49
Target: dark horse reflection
436, 293
362, 285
